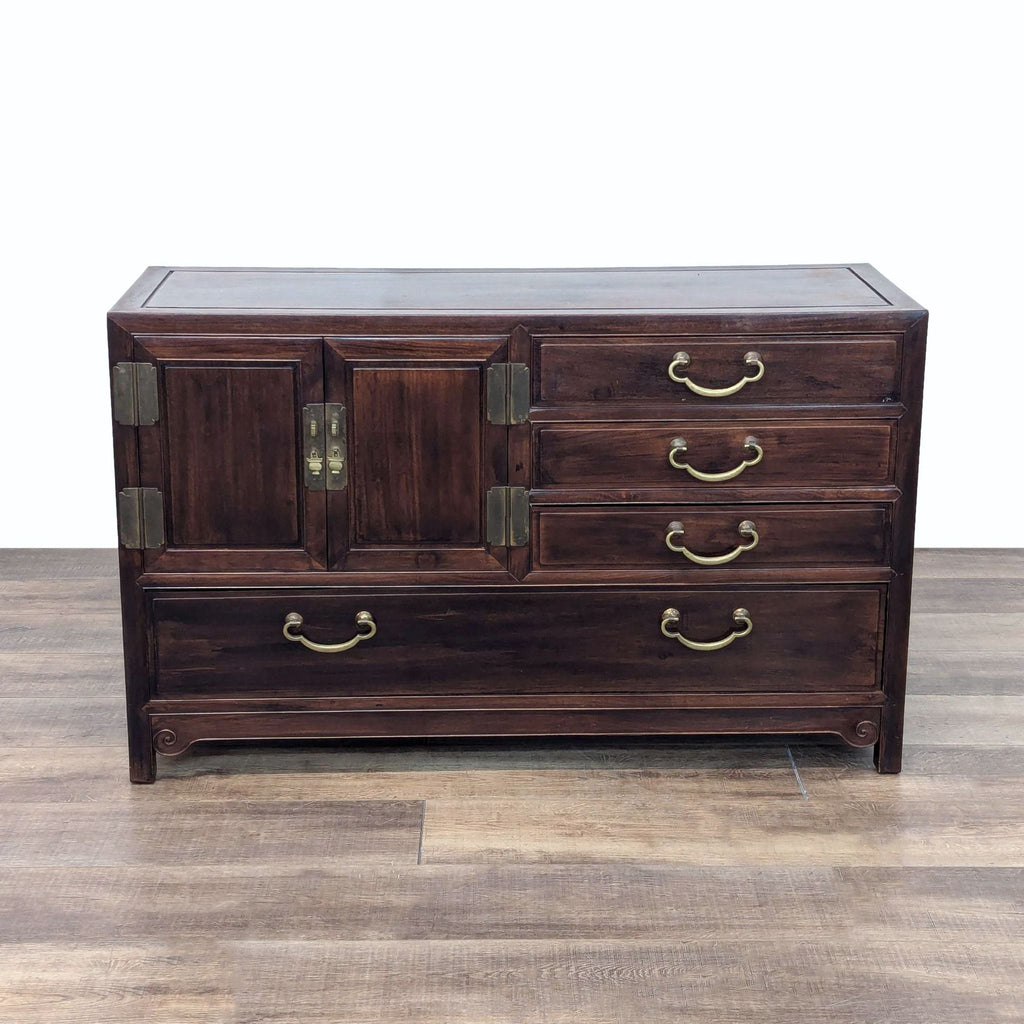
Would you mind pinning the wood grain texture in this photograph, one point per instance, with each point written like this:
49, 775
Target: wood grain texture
131, 563
422, 453
44, 674
635, 539
825, 370
407, 425
918, 824
658, 288
226, 452
945, 596
52, 566
969, 564
511, 902
412, 770
231, 450
214, 645
161, 982
566, 982
28, 630
957, 633
554, 982
214, 832
90, 721
817, 454
966, 672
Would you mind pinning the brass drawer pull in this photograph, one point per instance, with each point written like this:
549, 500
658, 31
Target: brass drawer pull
293, 620
750, 445
745, 529
681, 360
670, 618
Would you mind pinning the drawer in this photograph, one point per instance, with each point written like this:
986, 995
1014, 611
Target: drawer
802, 639
790, 371
740, 536
751, 453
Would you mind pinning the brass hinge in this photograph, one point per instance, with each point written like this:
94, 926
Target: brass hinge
508, 393
508, 517
140, 517
136, 401
325, 446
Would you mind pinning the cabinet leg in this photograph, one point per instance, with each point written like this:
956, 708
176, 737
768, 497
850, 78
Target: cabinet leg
140, 772
141, 755
889, 752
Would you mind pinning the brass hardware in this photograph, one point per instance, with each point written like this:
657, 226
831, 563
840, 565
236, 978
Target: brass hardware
337, 447
140, 517
136, 397
681, 360
745, 529
518, 517
497, 392
518, 393
750, 444
670, 618
293, 620
319, 452
497, 516
508, 517
312, 451
508, 393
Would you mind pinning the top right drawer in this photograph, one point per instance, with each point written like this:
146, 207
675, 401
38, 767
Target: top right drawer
706, 370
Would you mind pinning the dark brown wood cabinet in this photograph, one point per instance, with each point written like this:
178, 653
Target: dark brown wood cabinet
455, 503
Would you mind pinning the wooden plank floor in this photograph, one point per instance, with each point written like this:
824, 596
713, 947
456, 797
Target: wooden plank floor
523, 882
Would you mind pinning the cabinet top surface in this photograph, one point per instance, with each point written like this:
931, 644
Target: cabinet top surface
655, 289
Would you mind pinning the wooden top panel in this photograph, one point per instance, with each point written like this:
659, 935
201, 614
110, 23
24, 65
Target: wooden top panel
664, 290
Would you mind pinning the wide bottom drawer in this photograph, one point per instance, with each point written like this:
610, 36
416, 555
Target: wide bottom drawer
698, 640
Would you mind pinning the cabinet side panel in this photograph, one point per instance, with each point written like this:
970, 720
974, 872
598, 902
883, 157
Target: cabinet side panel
416, 465
889, 751
141, 758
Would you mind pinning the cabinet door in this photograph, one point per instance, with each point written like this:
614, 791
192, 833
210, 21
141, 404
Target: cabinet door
421, 453
226, 453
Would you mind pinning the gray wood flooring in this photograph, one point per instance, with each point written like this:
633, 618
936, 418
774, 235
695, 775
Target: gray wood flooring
590, 882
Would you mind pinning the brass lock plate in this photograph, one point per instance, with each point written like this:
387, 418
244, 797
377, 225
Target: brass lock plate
325, 447
336, 446
313, 447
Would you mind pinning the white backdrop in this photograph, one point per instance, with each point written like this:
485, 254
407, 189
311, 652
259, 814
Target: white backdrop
512, 134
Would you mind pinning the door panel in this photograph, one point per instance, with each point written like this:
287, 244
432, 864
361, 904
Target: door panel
422, 454
226, 453
399, 417
245, 407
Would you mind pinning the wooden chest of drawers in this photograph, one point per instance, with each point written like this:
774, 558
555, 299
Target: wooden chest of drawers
465, 503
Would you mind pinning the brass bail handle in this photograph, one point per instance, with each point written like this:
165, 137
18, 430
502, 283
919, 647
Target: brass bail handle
681, 360
364, 620
677, 449
670, 622
674, 533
